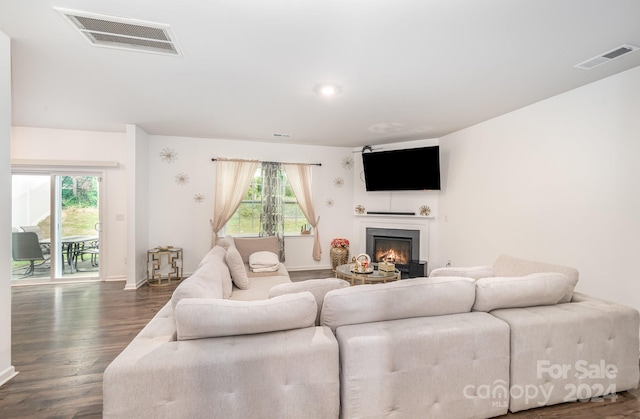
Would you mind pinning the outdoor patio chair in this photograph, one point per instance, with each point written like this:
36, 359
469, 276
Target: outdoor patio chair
26, 247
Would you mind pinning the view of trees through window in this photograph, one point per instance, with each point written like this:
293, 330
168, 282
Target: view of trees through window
246, 220
79, 206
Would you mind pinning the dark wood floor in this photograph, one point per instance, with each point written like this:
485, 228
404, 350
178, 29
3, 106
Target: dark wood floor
65, 335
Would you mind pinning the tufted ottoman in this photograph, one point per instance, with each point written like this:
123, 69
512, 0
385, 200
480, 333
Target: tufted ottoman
451, 366
414, 349
565, 352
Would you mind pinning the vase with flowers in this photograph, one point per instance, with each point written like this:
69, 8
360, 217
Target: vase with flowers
339, 252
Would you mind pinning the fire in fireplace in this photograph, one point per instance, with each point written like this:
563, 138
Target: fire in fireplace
392, 250
396, 245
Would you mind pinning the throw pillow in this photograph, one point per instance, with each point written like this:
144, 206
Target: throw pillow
511, 266
264, 261
215, 259
420, 297
317, 287
524, 291
236, 268
199, 318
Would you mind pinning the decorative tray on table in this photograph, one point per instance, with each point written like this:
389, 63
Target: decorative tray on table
367, 270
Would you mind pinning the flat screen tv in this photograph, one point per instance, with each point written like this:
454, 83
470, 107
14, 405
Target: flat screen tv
413, 169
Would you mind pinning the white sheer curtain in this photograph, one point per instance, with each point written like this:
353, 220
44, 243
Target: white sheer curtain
300, 179
233, 178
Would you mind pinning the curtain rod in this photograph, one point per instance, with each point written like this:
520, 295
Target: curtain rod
310, 164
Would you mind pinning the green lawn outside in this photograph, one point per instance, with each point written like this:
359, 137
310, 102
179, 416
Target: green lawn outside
75, 222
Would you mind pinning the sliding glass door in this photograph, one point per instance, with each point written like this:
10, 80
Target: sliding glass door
62, 212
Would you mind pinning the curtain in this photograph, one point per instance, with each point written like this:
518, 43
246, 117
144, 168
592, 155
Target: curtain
300, 180
271, 216
233, 178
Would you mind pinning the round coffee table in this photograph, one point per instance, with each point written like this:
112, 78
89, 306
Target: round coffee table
375, 277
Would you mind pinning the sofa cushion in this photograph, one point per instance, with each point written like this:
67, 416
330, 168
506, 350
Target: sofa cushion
261, 283
521, 291
212, 255
474, 272
237, 268
203, 283
198, 318
317, 287
264, 261
248, 245
397, 300
511, 266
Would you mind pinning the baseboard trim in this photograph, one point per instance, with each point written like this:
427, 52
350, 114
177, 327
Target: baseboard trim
7, 375
138, 284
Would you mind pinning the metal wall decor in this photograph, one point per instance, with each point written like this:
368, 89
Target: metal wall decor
182, 178
347, 163
425, 210
168, 155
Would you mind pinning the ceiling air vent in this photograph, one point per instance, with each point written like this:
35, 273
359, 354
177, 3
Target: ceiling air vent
607, 56
122, 33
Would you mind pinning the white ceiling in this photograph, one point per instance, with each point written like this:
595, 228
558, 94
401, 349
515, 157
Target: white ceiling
407, 69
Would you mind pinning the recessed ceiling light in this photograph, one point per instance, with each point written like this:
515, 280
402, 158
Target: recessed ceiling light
327, 90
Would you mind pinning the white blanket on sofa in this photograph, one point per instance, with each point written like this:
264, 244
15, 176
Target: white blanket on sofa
264, 261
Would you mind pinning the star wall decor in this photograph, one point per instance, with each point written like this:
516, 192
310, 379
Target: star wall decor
198, 198
347, 163
338, 182
425, 210
168, 155
182, 178
329, 202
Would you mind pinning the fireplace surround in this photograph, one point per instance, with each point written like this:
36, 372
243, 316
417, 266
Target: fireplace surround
401, 246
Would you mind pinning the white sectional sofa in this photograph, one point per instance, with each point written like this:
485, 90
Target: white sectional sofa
256, 358
486, 340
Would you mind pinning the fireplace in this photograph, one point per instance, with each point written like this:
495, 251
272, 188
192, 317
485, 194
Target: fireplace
396, 245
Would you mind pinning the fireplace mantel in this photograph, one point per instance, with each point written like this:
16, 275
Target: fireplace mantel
412, 217
417, 222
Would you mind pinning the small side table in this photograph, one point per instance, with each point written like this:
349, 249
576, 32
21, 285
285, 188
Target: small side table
164, 264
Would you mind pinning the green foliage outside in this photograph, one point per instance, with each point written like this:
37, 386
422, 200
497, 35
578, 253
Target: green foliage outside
79, 191
246, 219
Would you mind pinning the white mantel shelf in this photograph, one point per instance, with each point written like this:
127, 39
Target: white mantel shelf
412, 217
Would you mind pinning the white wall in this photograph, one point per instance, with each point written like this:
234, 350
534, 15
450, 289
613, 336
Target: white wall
70, 145
7, 371
556, 181
176, 219
137, 193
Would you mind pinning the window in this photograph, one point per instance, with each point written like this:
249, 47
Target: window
246, 219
